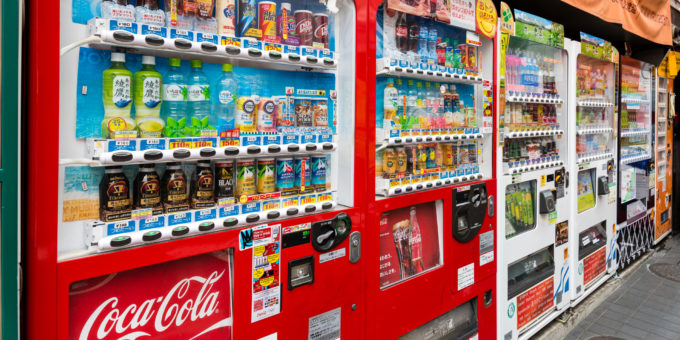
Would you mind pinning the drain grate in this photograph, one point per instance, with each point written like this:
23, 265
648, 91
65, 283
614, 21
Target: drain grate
605, 338
666, 271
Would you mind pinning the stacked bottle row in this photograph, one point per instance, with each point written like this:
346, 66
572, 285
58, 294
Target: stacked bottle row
526, 151
633, 117
209, 184
531, 116
591, 145
419, 43
179, 105
593, 117
530, 73
634, 146
417, 159
268, 21
519, 208
425, 105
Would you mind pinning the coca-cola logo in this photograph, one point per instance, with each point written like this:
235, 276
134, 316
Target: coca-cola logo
401, 31
177, 307
304, 26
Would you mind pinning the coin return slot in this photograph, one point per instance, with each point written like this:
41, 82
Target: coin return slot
300, 272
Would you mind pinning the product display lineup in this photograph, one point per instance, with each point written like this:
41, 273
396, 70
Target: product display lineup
511, 167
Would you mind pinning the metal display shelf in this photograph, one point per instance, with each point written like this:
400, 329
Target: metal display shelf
592, 158
522, 168
593, 131
526, 98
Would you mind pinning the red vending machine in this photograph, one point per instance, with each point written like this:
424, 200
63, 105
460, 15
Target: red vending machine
431, 264
192, 170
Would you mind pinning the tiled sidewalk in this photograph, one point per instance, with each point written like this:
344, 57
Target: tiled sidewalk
646, 306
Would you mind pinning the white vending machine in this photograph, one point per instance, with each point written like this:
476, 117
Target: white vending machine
533, 193
592, 146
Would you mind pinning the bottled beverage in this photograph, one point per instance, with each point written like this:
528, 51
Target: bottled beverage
114, 195
401, 33
199, 100
203, 186
390, 102
420, 106
430, 99
245, 111
416, 244
147, 189
174, 188
432, 46
411, 103
117, 97
285, 24
423, 36
148, 99
266, 113
401, 98
224, 103
174, 104
441, 52
413, 34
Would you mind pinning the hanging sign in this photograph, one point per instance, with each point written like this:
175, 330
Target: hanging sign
595, 47
463, 14
648, 19
486, 18
537, 29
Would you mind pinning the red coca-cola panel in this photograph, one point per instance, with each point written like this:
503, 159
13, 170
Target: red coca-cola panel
189, 298
409, 242
594, 265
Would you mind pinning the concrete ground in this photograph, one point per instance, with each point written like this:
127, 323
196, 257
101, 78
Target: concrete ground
638, 305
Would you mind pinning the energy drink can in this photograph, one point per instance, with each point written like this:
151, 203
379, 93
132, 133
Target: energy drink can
245, 177
285, 176
320, 24
431, 157
319, 165
303, 173
304, 27
247, 20
266, 178
266, 17
224, 179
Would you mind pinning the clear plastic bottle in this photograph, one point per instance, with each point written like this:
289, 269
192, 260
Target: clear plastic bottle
401, 96
432, 45
390, 100
148, 99
174, 105
421, 111
224, 103
423, 37
199, 100
117, 97
411, 104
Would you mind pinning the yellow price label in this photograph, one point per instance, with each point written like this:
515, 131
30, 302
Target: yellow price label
117, 124
258, 251
257, 273
243, 199
266, 281
273, 258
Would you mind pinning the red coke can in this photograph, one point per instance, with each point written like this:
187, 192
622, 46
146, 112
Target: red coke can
320, 21
304, 27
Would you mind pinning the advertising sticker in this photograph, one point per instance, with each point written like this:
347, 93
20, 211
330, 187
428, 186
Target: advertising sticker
189, 298
409, 242
266, 275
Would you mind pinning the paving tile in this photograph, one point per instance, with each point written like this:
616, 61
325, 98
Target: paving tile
653, 307
630, 302
662, 332
633, 331
640, 324
613, 323
587, 335
600, 329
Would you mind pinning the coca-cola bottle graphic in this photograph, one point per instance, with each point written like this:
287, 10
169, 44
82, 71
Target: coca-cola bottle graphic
413, 33
401, 232
416, 245
401, 33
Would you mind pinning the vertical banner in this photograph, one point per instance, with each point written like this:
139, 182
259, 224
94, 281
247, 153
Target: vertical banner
266, 300
189, 298
410, 242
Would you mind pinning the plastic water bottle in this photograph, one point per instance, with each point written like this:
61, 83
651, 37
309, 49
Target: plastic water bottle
411, 104
422, 44
432, 45
401, 95
224, 102
174, 104
199, 100
147, 86
117, 97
